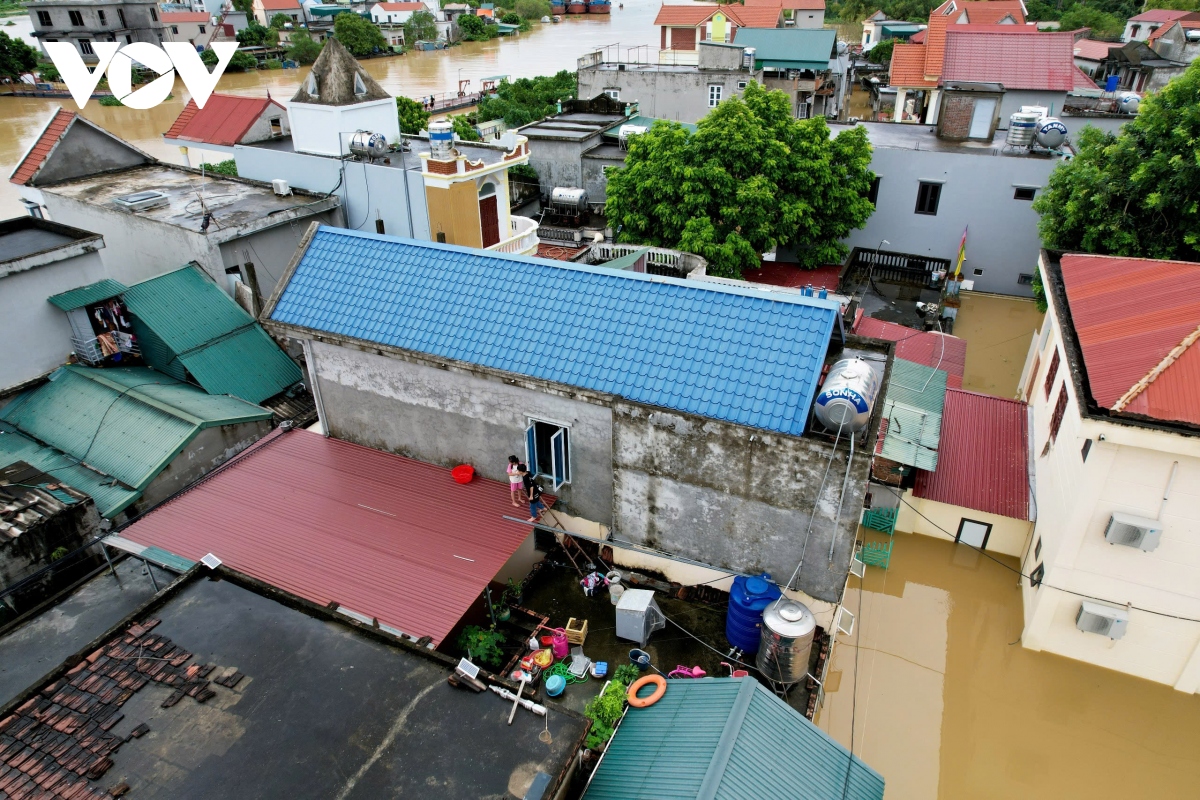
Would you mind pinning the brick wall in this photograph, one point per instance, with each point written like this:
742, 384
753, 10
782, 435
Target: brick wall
955, 120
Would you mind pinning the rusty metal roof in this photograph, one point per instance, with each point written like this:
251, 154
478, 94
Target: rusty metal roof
333, 522
983, 458
1132, 319
938, 350
224, 120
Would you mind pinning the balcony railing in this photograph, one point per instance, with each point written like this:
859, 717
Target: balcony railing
89, 350
524, 238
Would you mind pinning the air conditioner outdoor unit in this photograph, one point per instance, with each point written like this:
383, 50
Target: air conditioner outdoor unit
281, 187
1101, 619
1131, 531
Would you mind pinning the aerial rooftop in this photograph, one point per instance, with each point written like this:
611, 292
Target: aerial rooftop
906, 136
28, 242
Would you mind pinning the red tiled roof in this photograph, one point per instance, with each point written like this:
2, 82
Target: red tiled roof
46, 141
694, 14
685, 15
185, 16
224, 119
908, 66
977, 11
1163, 15
983, 456
991, 13
401, 6
1082, 81
330, 521
1092, 50
753, 16
917, 38
794, 5
1016, 56
280, 5
1124, 338
938, 350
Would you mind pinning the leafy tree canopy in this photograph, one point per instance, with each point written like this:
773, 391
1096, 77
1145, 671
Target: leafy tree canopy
360, 36
1104, 25
421, 26
751, 178
1178, 5
241, 62
528, 99
245, 6
882, 52
228, 167
256, 35
463, 129
48, 72
16, 57
474, 29
511, 18
413, 116
279, 21
302, 48
1136, 193
532, 9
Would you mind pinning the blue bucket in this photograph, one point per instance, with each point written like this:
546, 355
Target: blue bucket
640, 658
555, 685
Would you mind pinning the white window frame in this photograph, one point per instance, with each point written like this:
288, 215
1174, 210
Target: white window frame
716, 93
615, 94
742, 85
85, 47
531, 455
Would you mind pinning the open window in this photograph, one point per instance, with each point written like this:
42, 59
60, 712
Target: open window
548, 451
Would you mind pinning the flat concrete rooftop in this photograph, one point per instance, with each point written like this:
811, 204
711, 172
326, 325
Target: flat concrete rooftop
21, 237
234, 204
908, 136
410, 159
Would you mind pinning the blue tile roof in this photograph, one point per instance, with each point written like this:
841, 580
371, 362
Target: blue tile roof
739, 355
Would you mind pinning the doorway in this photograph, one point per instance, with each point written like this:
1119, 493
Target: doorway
973, 533
489, 218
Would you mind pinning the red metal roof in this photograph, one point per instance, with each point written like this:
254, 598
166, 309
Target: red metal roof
795, 5
46, 141
330, 521
1092, 50
1015, 55
185, 16
1082, 81
224, 119
983, 456
779, 273
938, 350
1123, 336
1163, 15
753, 16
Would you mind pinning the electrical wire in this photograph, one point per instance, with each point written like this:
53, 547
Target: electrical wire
709, 646
816, 502
1021, 574
854, 696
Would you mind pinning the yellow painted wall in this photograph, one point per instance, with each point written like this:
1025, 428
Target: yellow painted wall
1009, 536
455, 212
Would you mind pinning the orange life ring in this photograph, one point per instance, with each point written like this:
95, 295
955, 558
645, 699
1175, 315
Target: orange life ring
660, 684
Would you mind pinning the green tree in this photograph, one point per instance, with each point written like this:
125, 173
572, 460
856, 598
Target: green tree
245, 6
511, 18
241, 61
463, 128
413, 116
16, 57
360, 36
532, 9
302, 48
255, 35
421, 27
528, 99
1136, 193
882, 52
474, 29
750, 178
280, 21
228, 167
1103, 25
1178, 5
48, 72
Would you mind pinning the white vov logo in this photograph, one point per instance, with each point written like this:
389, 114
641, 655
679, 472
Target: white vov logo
179, 56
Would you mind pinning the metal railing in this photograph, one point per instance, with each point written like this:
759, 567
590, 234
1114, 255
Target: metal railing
89, 350
524, 238
659, 260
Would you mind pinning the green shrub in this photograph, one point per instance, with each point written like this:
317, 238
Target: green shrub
228, 167
110, 100
273, 63
482, 645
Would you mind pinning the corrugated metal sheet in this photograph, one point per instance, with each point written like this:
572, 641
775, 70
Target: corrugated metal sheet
224, 119
1093, 50
155, 351
46, 140
331, 521
1015, 55
983, 460
86, 295
938, 350
128, 422
913, 407
1123, 337
730, 739
797, 48
111, 497
199, 327
733, 354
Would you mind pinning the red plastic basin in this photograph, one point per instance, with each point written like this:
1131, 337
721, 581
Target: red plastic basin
463, 473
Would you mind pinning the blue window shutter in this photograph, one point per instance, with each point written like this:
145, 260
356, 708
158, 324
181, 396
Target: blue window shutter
531, 450
558, 457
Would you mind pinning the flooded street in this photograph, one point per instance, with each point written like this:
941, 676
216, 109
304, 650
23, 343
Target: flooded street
542, 51
998, 331
949, 705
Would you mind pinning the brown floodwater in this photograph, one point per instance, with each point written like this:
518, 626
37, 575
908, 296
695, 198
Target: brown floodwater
998, 331
542, 51
950, 705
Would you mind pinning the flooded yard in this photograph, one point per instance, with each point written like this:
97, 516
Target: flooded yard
997, 330
948, 704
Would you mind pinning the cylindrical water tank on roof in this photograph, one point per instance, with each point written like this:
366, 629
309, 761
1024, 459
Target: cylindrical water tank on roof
1129, 102
1051, 133
787, 637
1021, 128
441, 140
848, 396
365, 144
569, 199
747, 598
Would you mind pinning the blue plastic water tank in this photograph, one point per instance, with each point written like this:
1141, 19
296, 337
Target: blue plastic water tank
747, 599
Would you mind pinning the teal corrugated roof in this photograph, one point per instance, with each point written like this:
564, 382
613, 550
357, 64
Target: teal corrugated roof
913, 406
111, 497
197, 326
86, 295
789, 48
626, 261
649, 123
726, 739
128, 422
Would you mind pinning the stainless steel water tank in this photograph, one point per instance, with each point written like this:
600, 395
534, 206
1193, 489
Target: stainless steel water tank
569, 199
441, 140
787, 637
1021, 128
848, 396
365, 144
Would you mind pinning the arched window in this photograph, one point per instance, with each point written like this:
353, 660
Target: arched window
487, 190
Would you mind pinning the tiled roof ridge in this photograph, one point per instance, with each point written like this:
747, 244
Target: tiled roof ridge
1158, 369
47, 139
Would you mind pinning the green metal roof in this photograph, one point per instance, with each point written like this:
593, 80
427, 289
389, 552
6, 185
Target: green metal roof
188, 322
86, 295
129, 422
726, 739
111, 497
789, 48
628, 260
649, 123
913, 408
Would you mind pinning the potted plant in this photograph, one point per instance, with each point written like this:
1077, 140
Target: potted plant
605, 710
514, 595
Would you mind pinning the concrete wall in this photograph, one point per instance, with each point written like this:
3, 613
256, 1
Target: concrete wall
1015, 98
211, 448
38, 336
1129, 471
454, 212
731, 496
559, 162
270, 250
977, 191
594, 179
1009, 536
676, 93
368, 192
86, 151
450, 417
326, 130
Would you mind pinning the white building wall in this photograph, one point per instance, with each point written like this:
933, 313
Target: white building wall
326, 130
1128, 471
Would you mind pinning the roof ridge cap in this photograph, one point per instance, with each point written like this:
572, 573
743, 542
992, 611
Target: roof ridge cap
1161, 367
